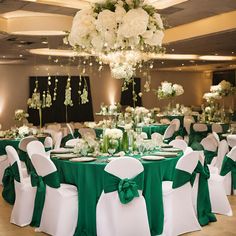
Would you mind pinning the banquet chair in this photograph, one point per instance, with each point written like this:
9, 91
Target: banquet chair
229, 167
70, 129
36, 147
209, 144
48, 143
24, 193
179, 213
22, 148
188, 120
157, 138
178, 143
165, 121
197, 127
72, 142
188, 150
176, 122
217, 197
87, 131
114, 215
216, 136
217, 128
55, 127
3, 165
60, 209
231, 139
169, 132
57, 139
144, 135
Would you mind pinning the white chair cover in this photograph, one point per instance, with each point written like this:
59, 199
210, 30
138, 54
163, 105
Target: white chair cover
169, 132
24, 142
72, 142
56, 127
22, 211
48, 142
199, 127
3, 165
231, 139
60, 212
57, 139
177, 123
144, 135
35, 147
216, 136
188, 120
115, 218
209, 144
165, 121
157, 138
217, 128
178, 201
70, 129
87, 131
178, 143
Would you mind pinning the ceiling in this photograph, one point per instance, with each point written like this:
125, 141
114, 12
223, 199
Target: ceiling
15, 48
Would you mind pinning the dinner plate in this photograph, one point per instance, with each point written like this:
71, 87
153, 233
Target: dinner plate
83, 159
152, 158
166, 154
172, 149
166, 146
66, 155
61, 151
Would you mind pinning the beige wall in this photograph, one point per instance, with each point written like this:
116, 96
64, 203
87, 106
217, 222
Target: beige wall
14, 87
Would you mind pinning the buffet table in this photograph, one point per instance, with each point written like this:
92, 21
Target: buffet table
88, 177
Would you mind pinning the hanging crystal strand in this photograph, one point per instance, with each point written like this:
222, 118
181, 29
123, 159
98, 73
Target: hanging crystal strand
55, 89
80, 88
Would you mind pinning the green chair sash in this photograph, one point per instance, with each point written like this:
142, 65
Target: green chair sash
197, 136
11, 173
40, 182
25, 158
181, 177
227, 166
127, 188
209, 155
203, 198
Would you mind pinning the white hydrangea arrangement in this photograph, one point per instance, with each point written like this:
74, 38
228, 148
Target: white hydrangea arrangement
115, 26
212, 96
223, 89
23, 130
20, 115
168, 90
141, 111
86, 145
113, 133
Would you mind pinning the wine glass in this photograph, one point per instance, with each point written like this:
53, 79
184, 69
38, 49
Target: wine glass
112, 146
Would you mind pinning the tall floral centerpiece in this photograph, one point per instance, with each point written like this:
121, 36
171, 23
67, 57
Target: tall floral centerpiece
168, 90
112, 139
219, 92
119, 32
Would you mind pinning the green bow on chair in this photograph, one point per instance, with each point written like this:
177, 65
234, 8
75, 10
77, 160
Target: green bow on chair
203, 198
11, 173
127, 188
51, 180
227, 166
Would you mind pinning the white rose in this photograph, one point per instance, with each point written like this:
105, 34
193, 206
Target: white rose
134, 23
167, 88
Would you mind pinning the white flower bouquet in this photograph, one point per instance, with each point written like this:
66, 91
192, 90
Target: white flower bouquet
212, 96
224, 88
23, 131
168, 90
113, 133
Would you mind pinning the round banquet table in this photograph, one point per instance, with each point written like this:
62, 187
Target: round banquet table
88, 177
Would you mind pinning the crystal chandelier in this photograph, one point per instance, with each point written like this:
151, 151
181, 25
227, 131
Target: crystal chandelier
120, 33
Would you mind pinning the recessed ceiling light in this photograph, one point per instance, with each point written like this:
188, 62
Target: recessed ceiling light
44, 42
20, 55
182, 64
40, 33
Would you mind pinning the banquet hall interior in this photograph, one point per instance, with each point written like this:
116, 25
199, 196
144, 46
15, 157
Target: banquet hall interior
117, 117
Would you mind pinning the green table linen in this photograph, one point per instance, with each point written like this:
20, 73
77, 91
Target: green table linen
88, 177
149, 130
5, 142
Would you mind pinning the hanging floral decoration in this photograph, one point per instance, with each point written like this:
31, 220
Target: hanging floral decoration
121, 33
68, 101
55, 90
47, 98
35, 102
83, 91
